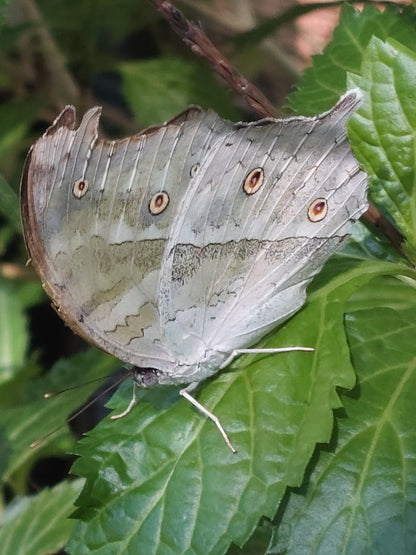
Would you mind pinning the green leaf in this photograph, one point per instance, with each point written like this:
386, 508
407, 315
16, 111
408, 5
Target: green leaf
2, 5
363, 245
360, 498
156, 90
323, 83
384, 131
15, 119
27, 416
29, 293
13, 333
108, 30
39, 524
165, 455
9, 205
386, 292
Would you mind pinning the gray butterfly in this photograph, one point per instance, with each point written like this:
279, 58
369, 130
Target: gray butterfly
180, 247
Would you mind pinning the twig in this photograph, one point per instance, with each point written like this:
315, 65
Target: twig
199, 43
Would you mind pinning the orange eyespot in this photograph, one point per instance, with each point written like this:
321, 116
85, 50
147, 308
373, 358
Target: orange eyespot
253, 181
80, 188
158, 203
318, 210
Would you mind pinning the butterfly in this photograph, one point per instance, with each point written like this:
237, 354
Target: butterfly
180, 247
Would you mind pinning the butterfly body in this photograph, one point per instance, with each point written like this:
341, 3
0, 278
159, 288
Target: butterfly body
173, 248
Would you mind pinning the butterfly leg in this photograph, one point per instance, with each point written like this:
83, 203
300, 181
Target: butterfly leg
131, 404
237, 352
185, 393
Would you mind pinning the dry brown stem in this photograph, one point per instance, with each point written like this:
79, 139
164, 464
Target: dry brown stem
200, 44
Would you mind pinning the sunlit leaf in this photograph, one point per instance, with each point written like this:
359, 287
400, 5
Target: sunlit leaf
384, 131
323, 83
361, 496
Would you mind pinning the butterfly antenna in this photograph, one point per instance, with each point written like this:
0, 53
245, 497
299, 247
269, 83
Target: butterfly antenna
82, 409
55, 393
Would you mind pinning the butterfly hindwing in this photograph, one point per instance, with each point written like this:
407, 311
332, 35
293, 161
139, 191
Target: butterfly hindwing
240, 257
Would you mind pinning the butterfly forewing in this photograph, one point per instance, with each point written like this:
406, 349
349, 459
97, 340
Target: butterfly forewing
97, 215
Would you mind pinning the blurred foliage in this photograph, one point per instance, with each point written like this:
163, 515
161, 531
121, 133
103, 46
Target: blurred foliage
160, 480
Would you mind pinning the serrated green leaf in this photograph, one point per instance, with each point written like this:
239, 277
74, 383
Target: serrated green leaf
361, 498
27, 416
323, 83
384, 131
158, 89
39, 524
13, 333
165, 455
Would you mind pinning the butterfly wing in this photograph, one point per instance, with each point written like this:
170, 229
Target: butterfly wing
96, 225
270, 203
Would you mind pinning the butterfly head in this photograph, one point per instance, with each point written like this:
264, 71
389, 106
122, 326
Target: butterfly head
145, 377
